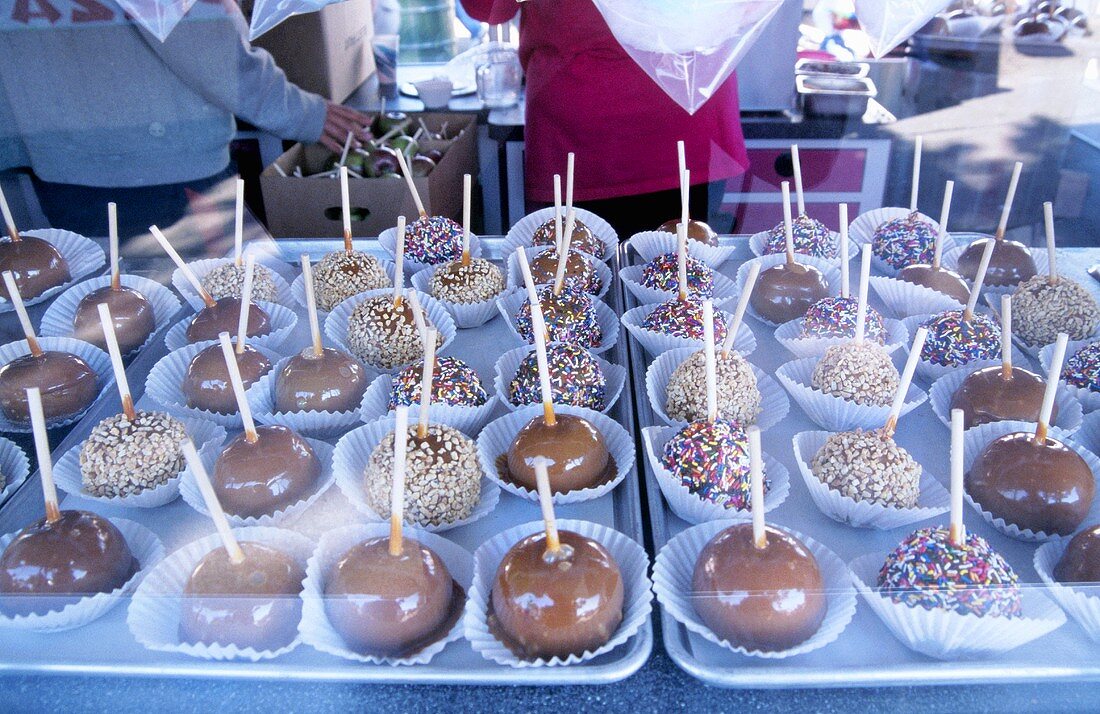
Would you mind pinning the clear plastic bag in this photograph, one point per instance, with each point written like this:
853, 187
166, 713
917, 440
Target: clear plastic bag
888, 23
688, 47
159, 17
266, 14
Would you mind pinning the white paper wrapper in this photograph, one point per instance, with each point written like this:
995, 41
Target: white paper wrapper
946, 634
336, 324
1082, 602
757, 240
350, 459
298, 287
508, 365
690, 507
145, 547
962, 240
862, 231
164, 385
1088, 434
316, 424
656, 343
903, 299
787, 334
283, 321
82, 255
774, 404
974, 442
1068, 417
14, 465
154, 614
58, 318
207, 436
96, 358
672, 581
631, 275
934, 499
828, 269
834, 413
498, 435
650, 244
468, 420
508, 304
514, 276
388, 240
204, 267
521, 233
929, 372
629, 556
315, 628
1089, 400
464, 315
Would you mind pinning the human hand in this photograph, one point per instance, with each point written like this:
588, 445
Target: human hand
339, 120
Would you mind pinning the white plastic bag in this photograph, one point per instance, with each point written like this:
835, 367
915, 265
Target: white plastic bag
888, 23
688, 47
159, 17
266, 14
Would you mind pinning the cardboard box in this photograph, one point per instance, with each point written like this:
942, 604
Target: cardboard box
310, 207
326, 52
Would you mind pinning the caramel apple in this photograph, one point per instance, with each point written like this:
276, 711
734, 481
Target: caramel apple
577, 454
784, 292
223, 316
987, 395
942, 280
206, 384
68, 385
258, 478
1080, 561
696, 230
131, 313
36, 265
333, 381
1010, 265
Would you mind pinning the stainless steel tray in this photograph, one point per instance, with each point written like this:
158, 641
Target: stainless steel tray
866, 654
106, 646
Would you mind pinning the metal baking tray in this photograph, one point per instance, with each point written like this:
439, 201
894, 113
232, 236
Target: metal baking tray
105, 646
866, 653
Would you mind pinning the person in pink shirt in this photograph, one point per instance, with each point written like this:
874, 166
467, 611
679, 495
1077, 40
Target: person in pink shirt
586, 95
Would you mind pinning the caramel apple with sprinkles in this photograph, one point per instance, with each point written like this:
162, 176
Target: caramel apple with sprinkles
568, 313
933, 275
431, 240
576, 378
908, 240
682, 315
810, 236
454, 383
959, 337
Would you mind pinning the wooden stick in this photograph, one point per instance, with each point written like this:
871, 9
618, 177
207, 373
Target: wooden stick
1006, 336
347, 147
958, 528
412, 186
21, 313
213, 507
546, 503
418, 315
246, 302
563, 251
467, 189
115, 354
1009, 198
426, 375
798, 180
238, 224
538, 332
1052, 257
917, 149
843, 247
557, 212
399, 263
739, 312
238, 388
681, 157
861, 301
8, 220
906, 379
1053, 375
979, 280
681, 260
756, 485
345, 207
945, 213
184, 267
397, 490
570, 164
112, 244
710, 363
685, 196
788, 227
42, 449
311, 306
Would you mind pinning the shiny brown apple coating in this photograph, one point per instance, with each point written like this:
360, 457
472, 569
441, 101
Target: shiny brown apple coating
68, 386
697, 231
206, 384
254, 479
1010, 264
576, 450
986, 396
332, 382
131, 314
223, 316
942, 280
1080, 561
785, 291
35, 264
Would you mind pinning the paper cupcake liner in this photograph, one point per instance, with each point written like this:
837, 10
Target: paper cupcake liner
164, 385
509, 303
1068, 417
1081, 601
521, 233
15, 466
465, 315
336, 324
189, 489
96, 358
57, 321
788, 335
650, 244
82, 255
468, 420
514, 276
862, 231
631, 275
903, 299
283, 321
835, 413
633, 567
827, 268
298, 287
387, 239
204, 267
946, 634
207, 436
963, 240
657, 343
316, 424
929, 372
350, 459
1089, 400
1088, 434
934, 499
498, 435
757, 240
154, 614
774, 404
674, 569
508, 364
315, 628
145, 547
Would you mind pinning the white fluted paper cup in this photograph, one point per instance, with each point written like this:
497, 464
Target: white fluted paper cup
633, 567
468, 420
929, 372
298, 287
689, 506
465, 315
350, 459
207, 436
204, 267
1089, 399
82, 255
862, 231
154, 613
282, 321
508, 364
656, 343
963, 240
514, 275
497, 436
974, 442
387, 239
934, 499
1080, 600
789, 334
1088, 434
828, 269
722, 288
674, 570
15, 466
521, 234
836, 413
903, 299
146, 549
1067, 418
510, 302
946, 634
95, 358
315, 424
650, 244
758, 240
318, 632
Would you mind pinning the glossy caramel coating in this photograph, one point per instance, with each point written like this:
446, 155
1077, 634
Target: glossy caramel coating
785, 291
768, 599
1080, 561
942, 280
131, 314
697, 231
68, 386
81, 554
986, 396
223, 316
206, 384
1010, 264
576, 450
254, 479
544, 606
332, 382
35, 264
1044, 487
